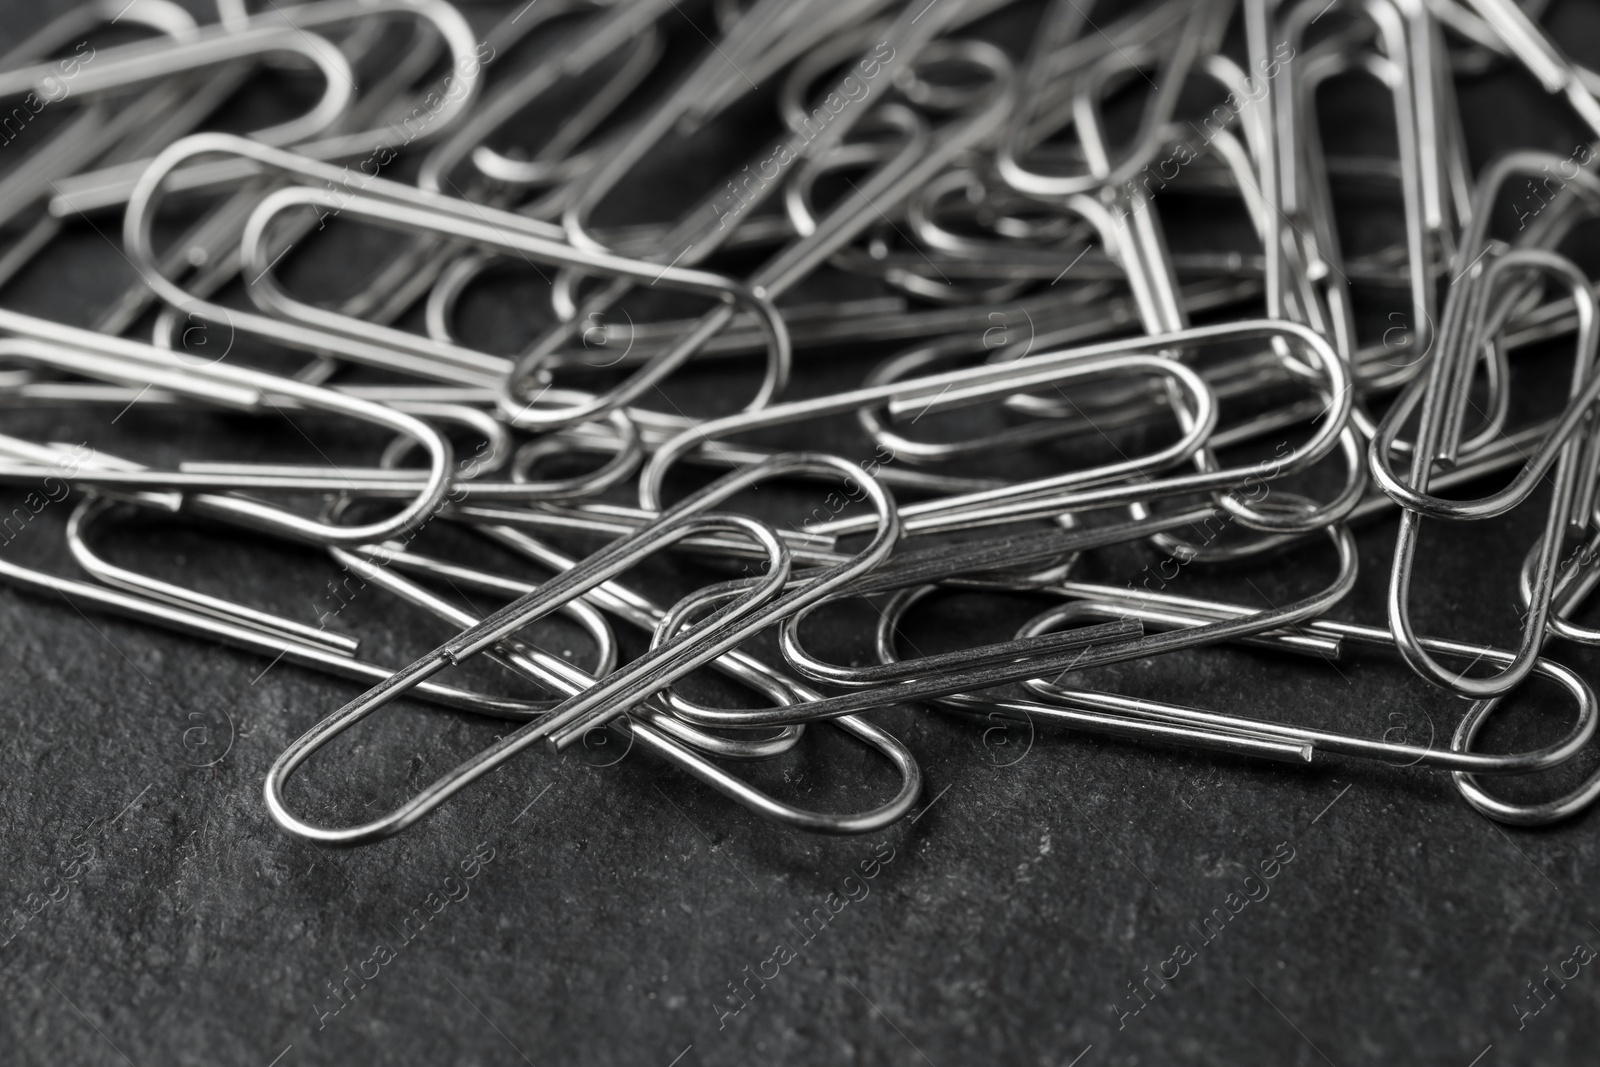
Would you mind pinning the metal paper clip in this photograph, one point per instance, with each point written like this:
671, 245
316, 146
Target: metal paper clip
422, 116
128, 362
400, 205
618, 692
1107, 486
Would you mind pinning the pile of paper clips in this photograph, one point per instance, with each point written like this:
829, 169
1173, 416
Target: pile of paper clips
919, 186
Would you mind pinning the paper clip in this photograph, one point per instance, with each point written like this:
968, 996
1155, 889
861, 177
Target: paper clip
612, 696
114, 359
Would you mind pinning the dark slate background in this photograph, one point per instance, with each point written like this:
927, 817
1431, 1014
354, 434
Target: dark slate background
1042, 874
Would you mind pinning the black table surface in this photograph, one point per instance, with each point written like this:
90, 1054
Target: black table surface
1055, 899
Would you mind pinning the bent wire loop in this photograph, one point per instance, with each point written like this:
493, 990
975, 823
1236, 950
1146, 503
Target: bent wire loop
84, 352
762, 602
1064, 20
298, 28
92, 511
408, 208
988, 668
1098, 712
1123, 482
1476, 313
704, 229
259, 639
119, 68
1307, 200
1573, 457
397, 108
679, 738
97, 135
1458, 758
632, 608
